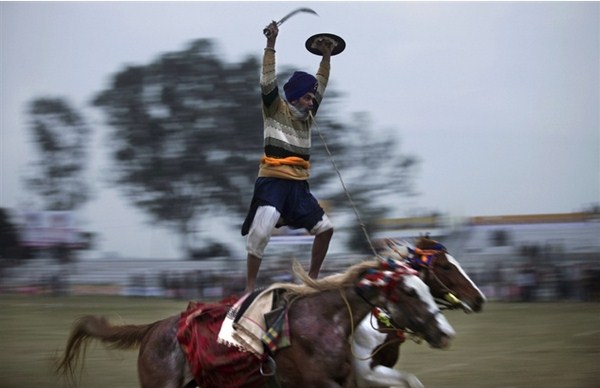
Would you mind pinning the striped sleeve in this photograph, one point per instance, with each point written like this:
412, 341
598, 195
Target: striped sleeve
268, 80
322, 79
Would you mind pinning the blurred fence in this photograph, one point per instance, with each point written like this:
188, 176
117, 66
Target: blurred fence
543, 259
182, 279
507, 280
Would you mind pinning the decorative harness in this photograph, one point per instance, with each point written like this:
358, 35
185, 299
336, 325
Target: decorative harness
386, 277
389, 273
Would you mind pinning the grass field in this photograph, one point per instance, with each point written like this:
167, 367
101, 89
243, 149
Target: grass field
508, 345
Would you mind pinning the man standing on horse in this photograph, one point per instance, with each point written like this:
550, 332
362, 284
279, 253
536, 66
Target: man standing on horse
281, 192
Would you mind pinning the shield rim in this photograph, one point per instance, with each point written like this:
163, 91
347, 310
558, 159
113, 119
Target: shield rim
341, 44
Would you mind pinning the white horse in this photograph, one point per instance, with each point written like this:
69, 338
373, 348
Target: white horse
445, 280
367, 338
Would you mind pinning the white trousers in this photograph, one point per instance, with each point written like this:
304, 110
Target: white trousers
264, 222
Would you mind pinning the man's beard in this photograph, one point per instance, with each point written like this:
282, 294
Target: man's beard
298, 111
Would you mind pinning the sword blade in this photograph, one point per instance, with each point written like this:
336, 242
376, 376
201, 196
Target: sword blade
289, 15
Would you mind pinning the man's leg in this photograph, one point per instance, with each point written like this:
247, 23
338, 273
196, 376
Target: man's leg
323, 233
265, 219
252, 267
319, 250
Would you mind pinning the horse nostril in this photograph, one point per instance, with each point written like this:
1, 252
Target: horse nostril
447, 341
443, 342
478, 305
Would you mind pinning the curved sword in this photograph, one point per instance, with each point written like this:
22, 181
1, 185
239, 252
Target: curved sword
289, 15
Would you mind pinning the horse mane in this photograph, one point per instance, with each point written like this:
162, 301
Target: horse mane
332, 282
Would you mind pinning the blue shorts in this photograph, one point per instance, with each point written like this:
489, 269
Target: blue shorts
292, 199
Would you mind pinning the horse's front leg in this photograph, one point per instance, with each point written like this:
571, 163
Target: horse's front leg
381, 376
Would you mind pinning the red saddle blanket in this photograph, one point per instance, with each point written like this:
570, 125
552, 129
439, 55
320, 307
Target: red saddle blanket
215, 365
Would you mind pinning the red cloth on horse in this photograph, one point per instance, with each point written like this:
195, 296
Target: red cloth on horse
215, 365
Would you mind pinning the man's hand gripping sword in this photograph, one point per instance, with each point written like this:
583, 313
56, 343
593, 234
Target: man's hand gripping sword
289, 15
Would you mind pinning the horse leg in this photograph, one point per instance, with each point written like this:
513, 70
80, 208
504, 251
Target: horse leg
413, 381
381, 372
382, 376
387, 352
161, 361
376, 353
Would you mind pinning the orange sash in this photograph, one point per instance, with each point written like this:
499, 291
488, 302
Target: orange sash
289, 161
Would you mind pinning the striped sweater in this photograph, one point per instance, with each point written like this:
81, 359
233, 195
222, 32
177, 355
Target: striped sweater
284, 135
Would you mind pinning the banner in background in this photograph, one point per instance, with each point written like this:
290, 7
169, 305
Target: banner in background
50, 228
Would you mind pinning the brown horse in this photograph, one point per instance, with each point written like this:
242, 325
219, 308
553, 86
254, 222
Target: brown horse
449, 284
322, 317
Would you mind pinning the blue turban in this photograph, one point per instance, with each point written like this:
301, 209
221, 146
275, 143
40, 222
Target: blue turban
299, 84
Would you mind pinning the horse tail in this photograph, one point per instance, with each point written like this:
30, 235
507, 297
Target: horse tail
91, 327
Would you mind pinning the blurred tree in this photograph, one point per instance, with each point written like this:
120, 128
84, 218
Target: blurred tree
187, 136
61, 137
10, 242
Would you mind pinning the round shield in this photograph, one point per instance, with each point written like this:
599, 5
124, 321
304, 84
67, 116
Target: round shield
338, 43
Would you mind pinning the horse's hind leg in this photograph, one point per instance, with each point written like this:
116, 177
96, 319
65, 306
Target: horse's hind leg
161, 362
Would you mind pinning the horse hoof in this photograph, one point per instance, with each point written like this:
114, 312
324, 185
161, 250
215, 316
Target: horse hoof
410, 381
413, 382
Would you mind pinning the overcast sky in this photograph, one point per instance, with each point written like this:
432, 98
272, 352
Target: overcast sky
499, 100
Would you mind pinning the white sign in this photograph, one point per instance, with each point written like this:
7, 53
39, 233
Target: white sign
49, 228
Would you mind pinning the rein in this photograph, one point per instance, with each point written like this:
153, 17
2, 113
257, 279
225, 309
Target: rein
352, 205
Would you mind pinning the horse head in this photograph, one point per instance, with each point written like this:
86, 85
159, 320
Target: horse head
447, 281
395, 288
446, 278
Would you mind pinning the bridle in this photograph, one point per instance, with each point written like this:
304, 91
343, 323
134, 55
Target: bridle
385, 318
387, 280
424, 260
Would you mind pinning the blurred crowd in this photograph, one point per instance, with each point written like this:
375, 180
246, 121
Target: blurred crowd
528, 283
507, 282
